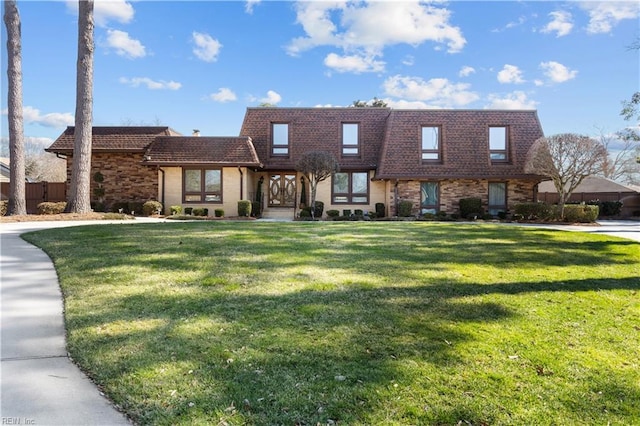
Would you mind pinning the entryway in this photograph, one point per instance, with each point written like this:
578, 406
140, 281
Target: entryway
282, 190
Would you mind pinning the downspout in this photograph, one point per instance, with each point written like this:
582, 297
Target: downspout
241, 183
163, 180
395, 197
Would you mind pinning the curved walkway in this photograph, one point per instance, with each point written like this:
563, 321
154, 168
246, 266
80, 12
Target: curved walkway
40, 385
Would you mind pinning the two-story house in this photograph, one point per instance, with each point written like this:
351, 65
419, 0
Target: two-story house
432, 158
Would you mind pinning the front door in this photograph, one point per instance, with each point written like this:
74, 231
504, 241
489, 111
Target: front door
282, 190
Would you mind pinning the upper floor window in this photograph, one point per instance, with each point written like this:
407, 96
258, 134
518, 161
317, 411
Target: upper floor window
498, 144
279, 139
430, 143
202, 186
350, 139
351, 188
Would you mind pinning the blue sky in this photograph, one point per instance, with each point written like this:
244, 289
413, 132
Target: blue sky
200, 64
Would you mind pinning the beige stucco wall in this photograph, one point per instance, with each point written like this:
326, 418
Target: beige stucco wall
234, 183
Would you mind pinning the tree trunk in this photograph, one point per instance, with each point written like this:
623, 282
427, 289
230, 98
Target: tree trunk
17, 198
79, 192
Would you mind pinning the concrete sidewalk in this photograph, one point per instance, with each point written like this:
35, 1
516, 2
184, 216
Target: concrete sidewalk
39, 383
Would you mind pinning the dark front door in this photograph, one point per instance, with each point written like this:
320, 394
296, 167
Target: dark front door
282, 190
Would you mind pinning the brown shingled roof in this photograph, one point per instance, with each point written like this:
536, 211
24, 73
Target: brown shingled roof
113, 139
195, 150
465, 147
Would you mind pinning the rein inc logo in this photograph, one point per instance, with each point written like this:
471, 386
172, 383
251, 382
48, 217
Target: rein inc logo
17, 421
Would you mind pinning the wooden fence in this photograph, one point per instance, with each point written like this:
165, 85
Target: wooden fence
630, 200
39, 192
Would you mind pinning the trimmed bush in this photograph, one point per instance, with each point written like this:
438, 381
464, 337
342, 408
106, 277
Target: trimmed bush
610, 208
582, 213
333, 213
51, 208
218, 212
176, 210
346, 212
358, 212
4, 207
120, 205
305, 212
134, 207
319, 209
404, 208
380, 209
198, 211
151, 207
188, 211
244, 208
255, 208
98, 207
534, 211
470, 207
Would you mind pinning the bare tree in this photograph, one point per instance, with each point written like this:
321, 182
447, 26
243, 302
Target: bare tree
17, 197
620, 163
317, 166
79, 192
567, 159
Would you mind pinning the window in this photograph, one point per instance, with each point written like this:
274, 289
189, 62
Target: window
351, 188
430, 144
202, 186
429, 197
497, 197
350, 139
498, 137
280, 139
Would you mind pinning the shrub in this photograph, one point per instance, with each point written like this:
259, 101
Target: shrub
373, 215
218, 212
134, 207
176, 210
51, 208
583, 213
358, 212
319, 209
151, 207
333, 213
255, 208
188, 211
198, 211
404, 208
534, 211
487, 216
502, 215
610, 208
470, 207
346, 212
119, 206
305, 212
379, 209
244, 208
4, 207
97, 206
635, 213
429, 216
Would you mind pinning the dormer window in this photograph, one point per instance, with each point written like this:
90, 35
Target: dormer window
350, 139
431, 144
498, 144
280, 139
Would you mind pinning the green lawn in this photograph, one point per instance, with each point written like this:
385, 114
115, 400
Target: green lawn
353, 323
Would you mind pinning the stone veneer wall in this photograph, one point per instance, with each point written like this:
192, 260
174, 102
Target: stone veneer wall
125, 179
451, 191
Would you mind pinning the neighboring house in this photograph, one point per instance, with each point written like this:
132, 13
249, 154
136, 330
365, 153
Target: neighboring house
432, 158
5, 173
597, 188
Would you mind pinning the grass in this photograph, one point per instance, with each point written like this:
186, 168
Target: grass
360, 323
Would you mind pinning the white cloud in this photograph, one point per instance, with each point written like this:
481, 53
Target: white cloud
466, 71
207, 48
510, 74
353, 63
437, 91
369, 27
54, 119
151, 84
556, 72
604, 15
107, 10
250, 4
514, 100
560, 23
223, 94
125, 45
272, 98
